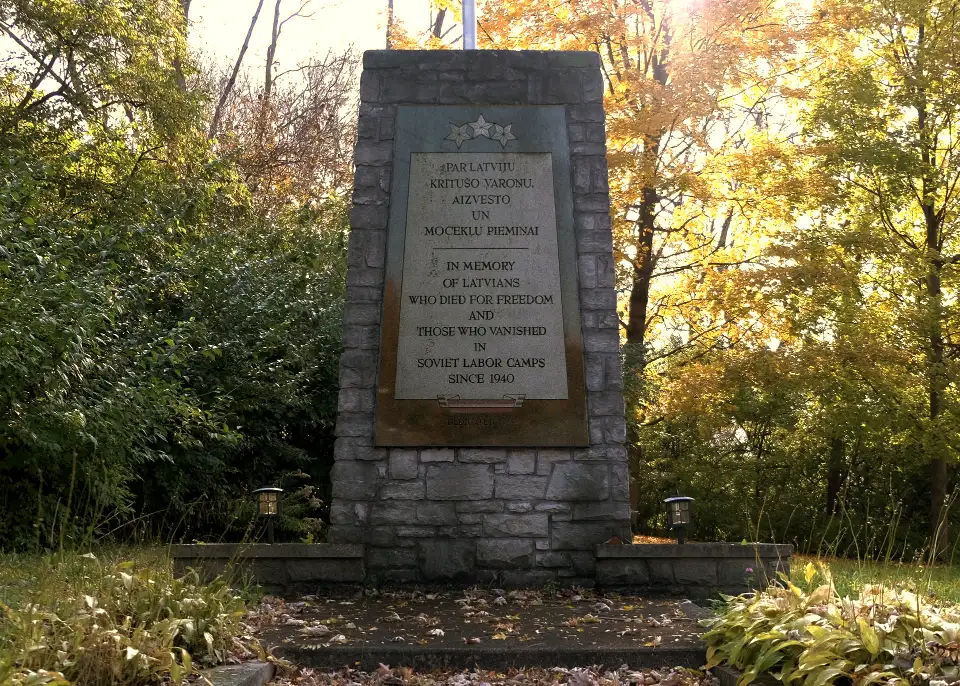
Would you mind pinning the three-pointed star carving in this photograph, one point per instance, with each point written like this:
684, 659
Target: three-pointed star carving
459, 134
481, 127
503, 134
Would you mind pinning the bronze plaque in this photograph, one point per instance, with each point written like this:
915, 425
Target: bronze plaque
481, 341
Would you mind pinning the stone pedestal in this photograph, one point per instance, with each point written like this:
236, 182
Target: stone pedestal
506, 508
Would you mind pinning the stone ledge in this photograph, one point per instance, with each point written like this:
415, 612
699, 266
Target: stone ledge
464, 59
492, 657
281, 566
701, 550
696, 570
246, 674
267, 550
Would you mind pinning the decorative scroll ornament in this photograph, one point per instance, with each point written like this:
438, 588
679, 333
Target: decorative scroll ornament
480, 128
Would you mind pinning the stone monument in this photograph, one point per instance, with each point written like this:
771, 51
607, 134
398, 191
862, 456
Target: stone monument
481, 420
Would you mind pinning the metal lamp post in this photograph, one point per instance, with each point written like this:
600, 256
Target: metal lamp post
269, 506
469, 24
678, 515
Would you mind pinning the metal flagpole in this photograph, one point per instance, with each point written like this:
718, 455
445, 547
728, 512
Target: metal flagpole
469, 24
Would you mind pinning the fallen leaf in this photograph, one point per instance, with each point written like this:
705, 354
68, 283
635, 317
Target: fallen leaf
317, 630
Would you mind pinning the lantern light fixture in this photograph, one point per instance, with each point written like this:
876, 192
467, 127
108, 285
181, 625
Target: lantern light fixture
269, 507
678, 514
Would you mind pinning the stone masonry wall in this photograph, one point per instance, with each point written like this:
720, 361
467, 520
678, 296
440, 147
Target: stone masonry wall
515, 516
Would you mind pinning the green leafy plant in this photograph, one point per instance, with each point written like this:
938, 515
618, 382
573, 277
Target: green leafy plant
91, 622
813, 636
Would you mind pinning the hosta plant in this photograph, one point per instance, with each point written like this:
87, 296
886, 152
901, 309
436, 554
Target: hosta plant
884, 636
103, 623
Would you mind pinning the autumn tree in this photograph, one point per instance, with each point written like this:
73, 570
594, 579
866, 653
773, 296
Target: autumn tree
685, 82
885, 121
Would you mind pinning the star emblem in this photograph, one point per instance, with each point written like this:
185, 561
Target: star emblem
459, 134
503, 134
481, 127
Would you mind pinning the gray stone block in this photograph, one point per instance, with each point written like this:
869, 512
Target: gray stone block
246, 674
321, 570
437, 514
733, 572
437, 455
521, 461
553, 508
584, 563
403, 490
606, 403
523, 578
459, 482
547, 458
397, 513
516, 525
519, 507
341, 512
391, 558
622, 572
485, 455
446, 560
369, 87
384, 537
553, 560
600, 341
267, 571
695, 572
354, 480
509, 553
484, 506
462, 531
601, 511
416, 531
585, 535
403, 464
510, 487
661, 572
579, 481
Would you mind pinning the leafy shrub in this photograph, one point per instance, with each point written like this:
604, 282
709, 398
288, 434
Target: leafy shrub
94, 622
889, 636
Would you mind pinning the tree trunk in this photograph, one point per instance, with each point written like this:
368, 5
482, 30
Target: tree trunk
271, 53
834, 474
389, 22
178, 63
933, 221
438, 23
642, 270
231, 82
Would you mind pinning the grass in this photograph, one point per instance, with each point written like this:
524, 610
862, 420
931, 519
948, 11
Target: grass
850, 576
119, 617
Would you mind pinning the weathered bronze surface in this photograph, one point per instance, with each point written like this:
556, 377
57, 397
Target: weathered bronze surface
482, 415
